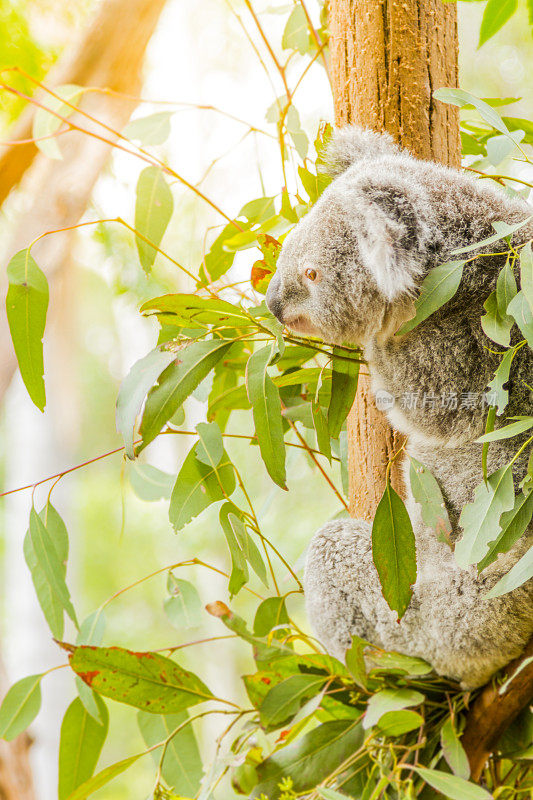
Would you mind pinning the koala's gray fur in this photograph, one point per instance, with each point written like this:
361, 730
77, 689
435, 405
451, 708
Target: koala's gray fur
374, 234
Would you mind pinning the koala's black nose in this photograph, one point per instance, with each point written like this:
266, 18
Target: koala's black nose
273, 298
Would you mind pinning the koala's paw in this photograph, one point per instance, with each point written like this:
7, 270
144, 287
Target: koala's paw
339, 576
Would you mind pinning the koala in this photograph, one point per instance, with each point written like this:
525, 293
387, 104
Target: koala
348, 273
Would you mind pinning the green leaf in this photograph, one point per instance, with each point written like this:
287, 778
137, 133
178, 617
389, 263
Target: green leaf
182, 764
133, 391
451, 785
52, 610
177, 382
330, 794
322, 430
503, 231
513, 525
480, 519
197, 486
270, 614
266, 406
458, 97
296, 33
310, 759
284, 700
49, 571
20, 707
145, 680
184, 607
243, 549
453, 751
521, 312
500, 147
355, 660
496, 14
498, 395
394, 551
153, 209
427, 493
103, 777
437, 288
344, 379
389, 700
518, 575
150, 483
91, 632
26, 306
396, 723
46, 123
151, 130
496, 326
508, 431
390, 661
210, 447
189, 310
82, 739
526, 274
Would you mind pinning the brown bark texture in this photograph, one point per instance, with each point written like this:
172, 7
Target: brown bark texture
387, 58
108, 54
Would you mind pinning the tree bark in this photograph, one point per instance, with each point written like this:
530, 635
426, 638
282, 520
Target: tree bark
109, 54
387, 57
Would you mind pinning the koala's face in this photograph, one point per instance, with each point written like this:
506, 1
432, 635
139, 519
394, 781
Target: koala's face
346, 266
320, 287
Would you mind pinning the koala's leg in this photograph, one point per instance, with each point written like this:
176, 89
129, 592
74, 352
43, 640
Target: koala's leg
342, 586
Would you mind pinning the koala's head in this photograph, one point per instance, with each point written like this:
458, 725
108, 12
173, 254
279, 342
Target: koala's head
353, 261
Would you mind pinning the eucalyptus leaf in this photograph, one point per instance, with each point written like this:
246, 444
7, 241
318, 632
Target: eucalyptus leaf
197, 486
394, 550
451, 785
495, 15
427, 493
344, 380
80, 745
175, 384
153, 210
526, 274
26, 306
437, 288
181, 768
133, 391
151, 130
20, 707
453, 751
522, 314
102, 778
480, 519
147, 680
388, 700
150, 483
266, 406
284, 700
517, 576
184, 607
310, 759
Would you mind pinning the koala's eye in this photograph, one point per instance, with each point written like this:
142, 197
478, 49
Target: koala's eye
311, 274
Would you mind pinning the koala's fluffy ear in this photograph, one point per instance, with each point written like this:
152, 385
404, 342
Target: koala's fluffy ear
392, 237
351, 144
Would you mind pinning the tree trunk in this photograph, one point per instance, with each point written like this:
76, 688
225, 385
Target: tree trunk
109, 54
387, 57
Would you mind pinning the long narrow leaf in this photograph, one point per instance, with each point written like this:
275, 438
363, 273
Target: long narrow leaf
26, 305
